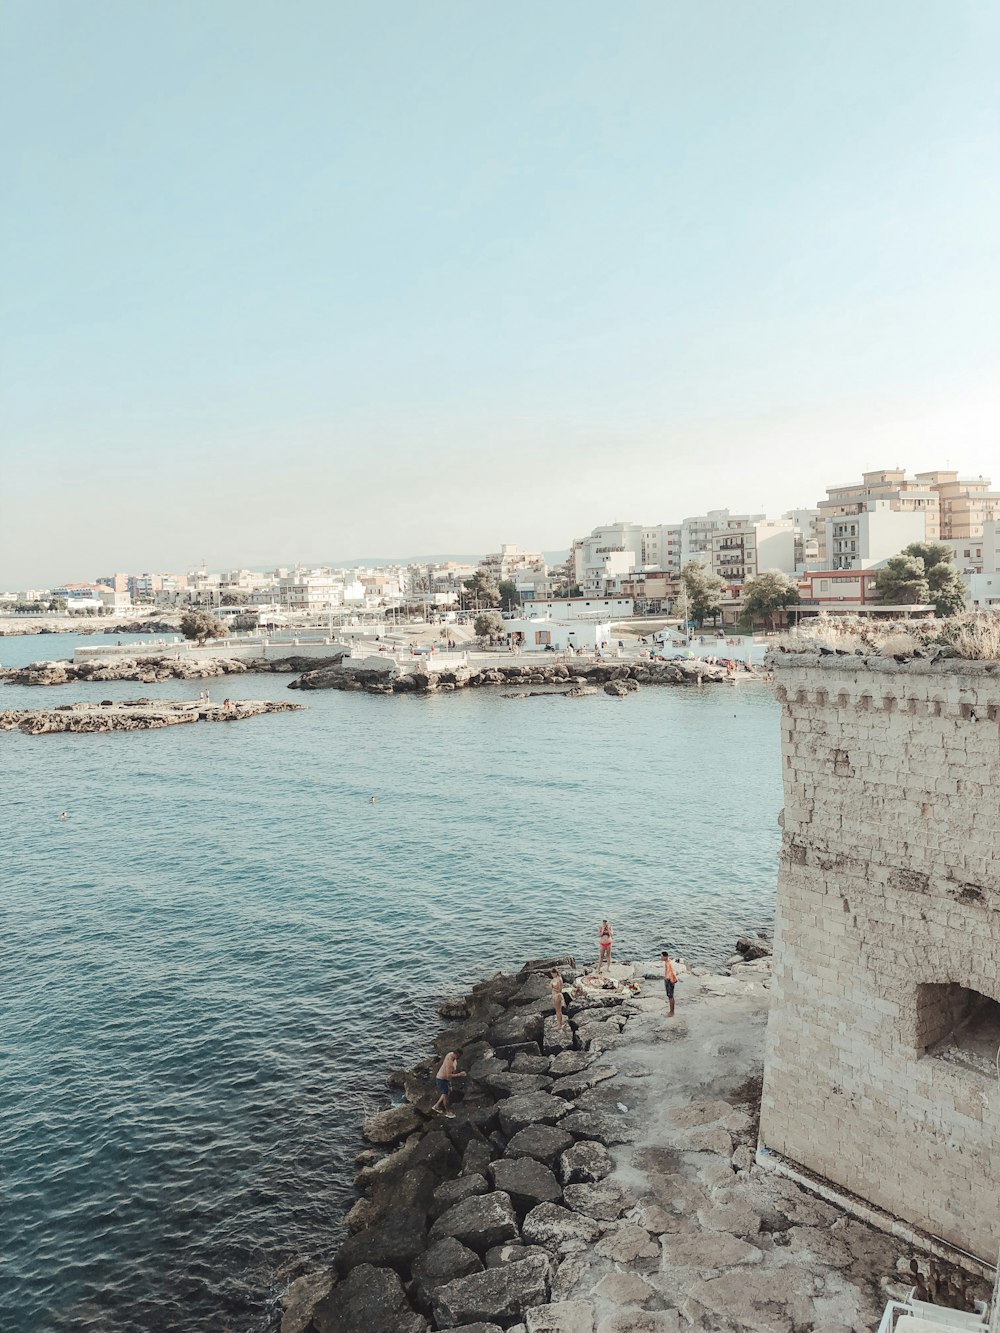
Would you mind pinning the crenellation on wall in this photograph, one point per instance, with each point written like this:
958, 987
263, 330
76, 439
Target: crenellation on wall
887, 933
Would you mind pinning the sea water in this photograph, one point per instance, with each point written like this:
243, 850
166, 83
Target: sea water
210, 966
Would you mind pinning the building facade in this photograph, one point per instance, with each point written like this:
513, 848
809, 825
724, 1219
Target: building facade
880, 1071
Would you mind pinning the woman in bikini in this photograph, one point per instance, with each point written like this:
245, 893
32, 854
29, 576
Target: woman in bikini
604, 939
556, 985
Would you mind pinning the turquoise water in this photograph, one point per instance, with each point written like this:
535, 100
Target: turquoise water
210, 966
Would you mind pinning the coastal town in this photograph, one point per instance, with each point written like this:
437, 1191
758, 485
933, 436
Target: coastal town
849, 554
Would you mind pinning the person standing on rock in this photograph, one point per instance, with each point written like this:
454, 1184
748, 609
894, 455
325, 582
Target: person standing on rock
556, 986
605, 938
445, 1077
669, 981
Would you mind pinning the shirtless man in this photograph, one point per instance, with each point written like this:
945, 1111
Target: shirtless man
669, 981
446, 1075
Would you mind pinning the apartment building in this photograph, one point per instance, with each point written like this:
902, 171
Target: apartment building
916, 495
742, 549
965, 503
510, 560
870, 534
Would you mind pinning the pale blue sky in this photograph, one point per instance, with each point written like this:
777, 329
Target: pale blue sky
309, 280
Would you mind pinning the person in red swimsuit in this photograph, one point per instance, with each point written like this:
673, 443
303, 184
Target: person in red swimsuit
605, 938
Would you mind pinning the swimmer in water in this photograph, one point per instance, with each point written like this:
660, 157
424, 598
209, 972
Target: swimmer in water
371, 800
64, 815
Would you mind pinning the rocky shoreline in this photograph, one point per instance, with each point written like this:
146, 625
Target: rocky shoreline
138, 715
601, 1179
381, 675
580, 678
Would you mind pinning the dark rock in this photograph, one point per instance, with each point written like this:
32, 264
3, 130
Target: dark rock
446, 1260
545, 1143
515, 1085
515, 1029
606, 1129
454, 1191
454, 1009
535, 989
392, 1243
392, 1125
529, 1064
585, 1163
753, 948
480, 1222
565, 963
526, 1181
559, 1229
438, 1154
570, 1062
500, 1295
512, 1252
476, 1158
369, 1298
535, 1108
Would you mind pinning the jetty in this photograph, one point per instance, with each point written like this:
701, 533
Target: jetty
134, 715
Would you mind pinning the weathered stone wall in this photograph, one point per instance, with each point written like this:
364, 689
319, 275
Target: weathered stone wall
888, 915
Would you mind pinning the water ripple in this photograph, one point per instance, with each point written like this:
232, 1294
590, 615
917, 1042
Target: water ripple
207, 971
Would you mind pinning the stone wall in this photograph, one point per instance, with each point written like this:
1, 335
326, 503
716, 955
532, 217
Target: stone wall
886, 1012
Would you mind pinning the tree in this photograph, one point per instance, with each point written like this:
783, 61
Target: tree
510, 598
202, 625
769, 592
704, 592
234, 599
923, 572
487, 624
482, 589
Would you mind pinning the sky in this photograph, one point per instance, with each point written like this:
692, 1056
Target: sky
307, 281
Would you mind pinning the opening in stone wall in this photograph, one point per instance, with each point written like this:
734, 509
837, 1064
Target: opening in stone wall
958, 1026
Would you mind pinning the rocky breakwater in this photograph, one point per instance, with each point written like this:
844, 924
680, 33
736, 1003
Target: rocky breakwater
154, 669
139, 715
463, 1223
575, 679
601, 1179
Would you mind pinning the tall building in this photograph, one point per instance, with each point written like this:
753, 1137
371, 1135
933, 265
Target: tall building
966, 503
745, 548
915, 495
869, 535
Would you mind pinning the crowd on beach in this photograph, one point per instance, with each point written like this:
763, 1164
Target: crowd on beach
589, 983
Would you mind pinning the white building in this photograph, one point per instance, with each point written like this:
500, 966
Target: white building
697, 533
984, 591
575, 609
538, 634
869, 537
317, 590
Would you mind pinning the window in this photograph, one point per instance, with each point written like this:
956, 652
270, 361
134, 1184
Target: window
958, 1026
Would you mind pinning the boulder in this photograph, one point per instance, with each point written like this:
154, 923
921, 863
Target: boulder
516, 1085
512, 1253
534, 991
630, 1246
450, 1192
446, 1260
368, 1298
559, 1229
618, 689
570, 1062
600, 1125
642, 1321
752, 948
584, 1163
707, 1253
554, 1039
454, 1010
603, 1200
526, 1181
392, 1243
565, 963
575, 1085
561, 1317
399, 1122
545, 1143
476, 1158
499, 1295
519, 1029
529, 1064
481, 1222
536, 1108
300, 1298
